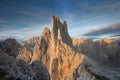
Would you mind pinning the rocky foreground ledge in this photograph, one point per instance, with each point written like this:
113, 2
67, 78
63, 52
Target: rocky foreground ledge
55, 55
12, 68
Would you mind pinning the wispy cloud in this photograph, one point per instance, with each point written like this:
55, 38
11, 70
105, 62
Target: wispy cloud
88, 20
107, 6
98, 5
24, 16
22, 33
27, 22
39, 12
109, 30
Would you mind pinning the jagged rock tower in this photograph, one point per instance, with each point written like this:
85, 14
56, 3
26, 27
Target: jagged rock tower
60, 31
55, 50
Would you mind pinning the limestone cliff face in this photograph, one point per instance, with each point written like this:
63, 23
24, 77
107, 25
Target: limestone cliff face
55, 50
25, 54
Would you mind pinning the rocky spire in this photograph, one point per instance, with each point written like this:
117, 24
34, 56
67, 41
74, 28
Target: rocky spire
64, 33
55, 25
46, 33
60, 31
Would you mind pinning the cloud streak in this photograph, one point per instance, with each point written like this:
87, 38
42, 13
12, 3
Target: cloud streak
110, 30
107, 6
22, 33
27, 18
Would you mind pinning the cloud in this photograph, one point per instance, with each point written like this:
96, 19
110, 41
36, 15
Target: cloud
92, 19
26, 21
98, 5
4, 36
110, 30
107, 6
22, 33
36, 12
13, 16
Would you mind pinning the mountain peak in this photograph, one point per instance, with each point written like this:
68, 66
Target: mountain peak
46, 32
60, 31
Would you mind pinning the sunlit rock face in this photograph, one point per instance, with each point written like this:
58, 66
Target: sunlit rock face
25, 54
54, 49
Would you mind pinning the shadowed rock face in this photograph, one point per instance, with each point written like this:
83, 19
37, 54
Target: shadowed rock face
9, 46
13, 64
60, 31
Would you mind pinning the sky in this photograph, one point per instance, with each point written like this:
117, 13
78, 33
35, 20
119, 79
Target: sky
22, 19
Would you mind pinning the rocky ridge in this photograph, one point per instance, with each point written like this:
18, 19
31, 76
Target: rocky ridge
104, 50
